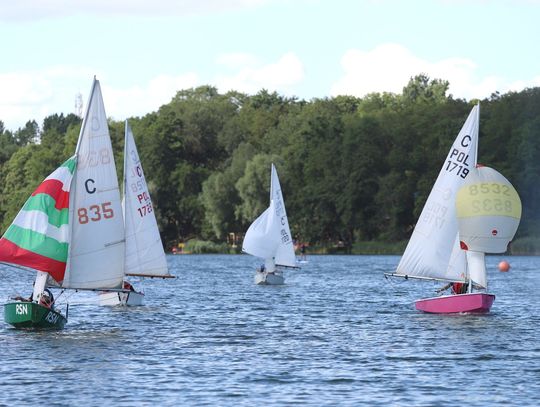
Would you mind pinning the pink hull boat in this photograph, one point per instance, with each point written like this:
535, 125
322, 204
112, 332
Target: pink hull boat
453, 304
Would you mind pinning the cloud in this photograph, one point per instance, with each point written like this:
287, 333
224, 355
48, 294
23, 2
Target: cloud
137, 100
31, 95
24, 10
34, 95
38, 94
388, 68
251, 75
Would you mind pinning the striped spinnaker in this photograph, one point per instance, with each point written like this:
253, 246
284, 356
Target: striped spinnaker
39, 235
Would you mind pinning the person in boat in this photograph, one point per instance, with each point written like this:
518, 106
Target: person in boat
262, 269
47, 299
457, 288
20, 298
128, 286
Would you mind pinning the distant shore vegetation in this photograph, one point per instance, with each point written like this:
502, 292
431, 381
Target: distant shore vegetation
355, 172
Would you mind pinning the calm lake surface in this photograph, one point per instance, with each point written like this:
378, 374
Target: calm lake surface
337, 333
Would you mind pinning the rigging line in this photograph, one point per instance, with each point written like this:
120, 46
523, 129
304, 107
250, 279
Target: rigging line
10, 285
393, 282
17, 266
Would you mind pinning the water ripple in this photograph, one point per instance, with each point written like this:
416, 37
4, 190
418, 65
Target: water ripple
337, 333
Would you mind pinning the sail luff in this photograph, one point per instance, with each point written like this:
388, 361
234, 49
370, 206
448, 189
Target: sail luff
86, 113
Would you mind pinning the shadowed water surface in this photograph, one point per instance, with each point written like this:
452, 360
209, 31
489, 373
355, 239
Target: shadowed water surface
337, 333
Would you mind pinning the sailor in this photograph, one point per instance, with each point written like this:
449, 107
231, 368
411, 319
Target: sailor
128, 286
47, 299
457, 288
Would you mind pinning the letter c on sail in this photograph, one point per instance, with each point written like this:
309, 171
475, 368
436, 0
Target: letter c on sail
88, 188
466, 138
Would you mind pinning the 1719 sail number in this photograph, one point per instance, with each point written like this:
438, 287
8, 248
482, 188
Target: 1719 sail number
94, 213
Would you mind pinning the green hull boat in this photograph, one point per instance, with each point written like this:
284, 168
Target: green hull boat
23, 314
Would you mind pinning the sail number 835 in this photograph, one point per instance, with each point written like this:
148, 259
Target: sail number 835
95, 213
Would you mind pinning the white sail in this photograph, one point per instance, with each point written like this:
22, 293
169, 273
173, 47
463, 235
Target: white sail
476, 264
488, 211
285, 252
269, 236
96, 252
433, 250
144, 249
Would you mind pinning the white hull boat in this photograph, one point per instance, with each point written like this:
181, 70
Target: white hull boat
144, 255
113, 299
269, 238
269, 278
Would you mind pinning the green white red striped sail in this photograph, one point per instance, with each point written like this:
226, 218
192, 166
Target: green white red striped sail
39, 235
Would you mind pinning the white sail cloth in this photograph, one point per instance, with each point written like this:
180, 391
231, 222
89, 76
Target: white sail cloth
269, 236
433, 250
144, 249
96, 252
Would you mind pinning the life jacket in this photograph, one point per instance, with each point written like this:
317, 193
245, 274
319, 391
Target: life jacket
457, 288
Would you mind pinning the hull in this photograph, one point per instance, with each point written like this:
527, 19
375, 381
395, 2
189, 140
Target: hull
265, 278
31, 315
452, 304
113, 298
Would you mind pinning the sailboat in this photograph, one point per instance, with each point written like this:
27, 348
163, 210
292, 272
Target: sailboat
269, 238
71, 229
144, 254
444, 244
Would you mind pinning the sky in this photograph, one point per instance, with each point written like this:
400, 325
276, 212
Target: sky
144, 51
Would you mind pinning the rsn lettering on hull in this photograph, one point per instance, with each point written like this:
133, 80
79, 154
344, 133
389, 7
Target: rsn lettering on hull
52, 317
21, 309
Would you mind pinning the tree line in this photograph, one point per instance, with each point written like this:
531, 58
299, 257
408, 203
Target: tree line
351, 169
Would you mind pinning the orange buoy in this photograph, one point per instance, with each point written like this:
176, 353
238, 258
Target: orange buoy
504, 266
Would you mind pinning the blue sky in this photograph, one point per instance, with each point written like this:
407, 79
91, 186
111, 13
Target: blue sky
144, 51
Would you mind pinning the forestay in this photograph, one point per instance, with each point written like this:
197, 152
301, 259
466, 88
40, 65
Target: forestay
96, 253
144, 249
433, 250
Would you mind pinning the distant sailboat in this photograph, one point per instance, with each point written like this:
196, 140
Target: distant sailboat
144, 254
269, 238
445, 242
70, 230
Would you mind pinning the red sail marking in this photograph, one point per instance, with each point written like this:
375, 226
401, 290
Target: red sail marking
53, 187
11, 253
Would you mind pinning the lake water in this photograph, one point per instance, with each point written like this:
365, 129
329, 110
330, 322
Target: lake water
337, 333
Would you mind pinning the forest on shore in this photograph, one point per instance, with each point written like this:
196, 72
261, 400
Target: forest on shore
355, 172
